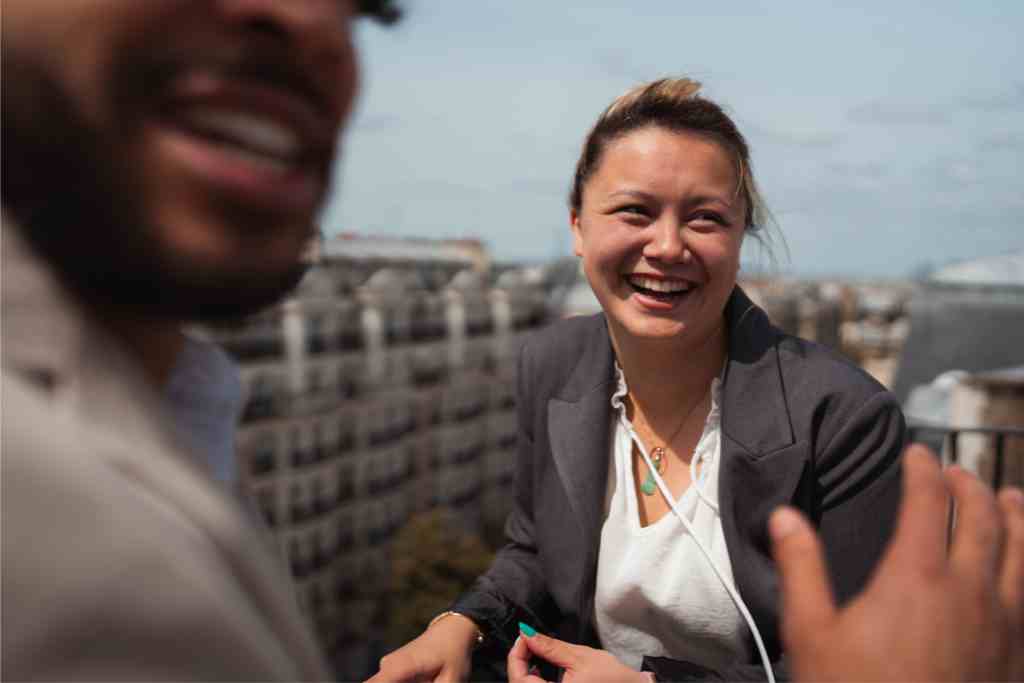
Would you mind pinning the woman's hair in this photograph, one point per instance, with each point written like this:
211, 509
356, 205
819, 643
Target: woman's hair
673, 104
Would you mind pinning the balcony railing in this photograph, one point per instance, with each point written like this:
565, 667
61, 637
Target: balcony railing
937, 436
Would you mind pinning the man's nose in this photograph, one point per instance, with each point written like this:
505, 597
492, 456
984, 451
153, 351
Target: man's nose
320, 23
318, 31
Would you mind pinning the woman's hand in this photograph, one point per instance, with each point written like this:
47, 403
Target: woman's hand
581, 663
441, 654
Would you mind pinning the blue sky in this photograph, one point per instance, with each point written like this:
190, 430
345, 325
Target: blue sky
885, 135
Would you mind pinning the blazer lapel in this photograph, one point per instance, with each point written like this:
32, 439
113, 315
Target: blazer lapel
579, 436
762, 465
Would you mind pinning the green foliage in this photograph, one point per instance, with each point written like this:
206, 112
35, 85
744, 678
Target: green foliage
433, 559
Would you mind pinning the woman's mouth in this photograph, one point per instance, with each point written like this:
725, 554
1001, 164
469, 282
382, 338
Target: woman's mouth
661, 289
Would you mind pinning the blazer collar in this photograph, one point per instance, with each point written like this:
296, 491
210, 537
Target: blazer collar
755, 413
52, 343
754, 410
579, 427
42, 325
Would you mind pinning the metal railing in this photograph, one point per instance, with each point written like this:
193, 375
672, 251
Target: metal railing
946, 435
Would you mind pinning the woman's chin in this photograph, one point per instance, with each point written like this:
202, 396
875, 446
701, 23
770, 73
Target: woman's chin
654, 329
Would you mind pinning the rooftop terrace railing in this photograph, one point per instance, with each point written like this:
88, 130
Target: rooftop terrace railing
937, 436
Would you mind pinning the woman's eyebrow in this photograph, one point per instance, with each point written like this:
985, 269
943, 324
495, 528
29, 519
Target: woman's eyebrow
696, 200
708, 199
634, 194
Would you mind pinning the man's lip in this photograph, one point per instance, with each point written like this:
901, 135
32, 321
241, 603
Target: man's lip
255, 186
296, 187
316, 127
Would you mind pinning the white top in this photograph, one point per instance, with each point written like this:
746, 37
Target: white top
656, 593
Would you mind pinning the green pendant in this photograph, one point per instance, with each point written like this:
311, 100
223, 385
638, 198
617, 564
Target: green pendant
658, 458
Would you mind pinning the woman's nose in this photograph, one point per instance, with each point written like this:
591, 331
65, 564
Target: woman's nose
666, 242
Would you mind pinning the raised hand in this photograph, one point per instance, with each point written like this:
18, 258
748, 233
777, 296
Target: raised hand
928, 613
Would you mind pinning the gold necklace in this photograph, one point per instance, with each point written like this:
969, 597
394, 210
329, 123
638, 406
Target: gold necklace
659, 454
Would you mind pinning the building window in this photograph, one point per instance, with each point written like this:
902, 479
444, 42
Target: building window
297, 559
300, 455
298, 509
346, 436
263, 459
266, 501
316, 341
350, 330
261, 400
346, 485
319, 451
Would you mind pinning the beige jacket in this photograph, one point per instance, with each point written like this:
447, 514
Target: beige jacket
121, 558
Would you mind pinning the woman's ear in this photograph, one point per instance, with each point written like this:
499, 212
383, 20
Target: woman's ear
577, 232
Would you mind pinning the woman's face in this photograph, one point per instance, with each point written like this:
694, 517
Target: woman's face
659, 231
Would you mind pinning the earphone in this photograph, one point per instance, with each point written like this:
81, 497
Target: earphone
729, 587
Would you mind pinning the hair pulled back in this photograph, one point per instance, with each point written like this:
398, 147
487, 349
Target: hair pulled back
673, 104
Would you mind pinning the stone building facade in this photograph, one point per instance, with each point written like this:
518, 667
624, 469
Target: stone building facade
383, 387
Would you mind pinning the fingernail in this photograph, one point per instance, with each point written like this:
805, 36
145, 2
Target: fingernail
527, 630
782, 523
1014, 494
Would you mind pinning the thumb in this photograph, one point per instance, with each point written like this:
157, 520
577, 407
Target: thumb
558, 652
807, 601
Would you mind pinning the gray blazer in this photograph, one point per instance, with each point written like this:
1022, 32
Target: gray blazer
800, 425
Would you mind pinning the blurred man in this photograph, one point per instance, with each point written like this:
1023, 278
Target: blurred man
163, 161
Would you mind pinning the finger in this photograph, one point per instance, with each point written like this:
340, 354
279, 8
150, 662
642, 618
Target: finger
392, 677
397, 667
558, 652
920, 537
978, 537
807, 600
1011, 579
518, 664
518, 661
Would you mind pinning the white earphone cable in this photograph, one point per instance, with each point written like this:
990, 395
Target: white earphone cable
729, 587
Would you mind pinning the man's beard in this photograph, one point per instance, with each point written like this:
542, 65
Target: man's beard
82, 206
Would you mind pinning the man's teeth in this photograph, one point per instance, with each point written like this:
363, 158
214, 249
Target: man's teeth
257, 135
658, 285
271, 163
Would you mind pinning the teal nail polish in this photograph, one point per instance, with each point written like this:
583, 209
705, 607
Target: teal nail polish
527, 630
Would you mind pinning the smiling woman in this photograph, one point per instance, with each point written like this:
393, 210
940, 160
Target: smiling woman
656, 437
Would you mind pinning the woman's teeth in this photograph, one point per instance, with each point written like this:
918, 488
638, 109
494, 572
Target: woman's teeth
658, 285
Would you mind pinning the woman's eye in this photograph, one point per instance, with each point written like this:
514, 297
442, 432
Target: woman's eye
632, 209
705, 216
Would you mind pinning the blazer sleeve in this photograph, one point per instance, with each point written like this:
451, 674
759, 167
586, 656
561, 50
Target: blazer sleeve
859, 490
514, 588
